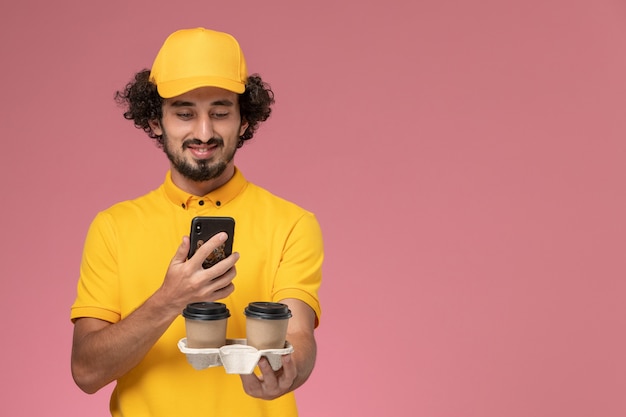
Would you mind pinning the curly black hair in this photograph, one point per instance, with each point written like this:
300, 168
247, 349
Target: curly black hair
142, 104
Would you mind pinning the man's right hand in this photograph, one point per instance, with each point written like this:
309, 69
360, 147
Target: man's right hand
186, 281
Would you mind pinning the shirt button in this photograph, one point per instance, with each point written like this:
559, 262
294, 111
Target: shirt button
201, 202
218, 203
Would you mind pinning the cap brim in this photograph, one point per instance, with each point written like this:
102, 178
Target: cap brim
169, 89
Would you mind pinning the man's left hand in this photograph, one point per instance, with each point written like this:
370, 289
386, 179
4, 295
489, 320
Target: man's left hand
270, 384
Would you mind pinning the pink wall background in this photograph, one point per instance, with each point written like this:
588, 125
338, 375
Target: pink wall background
466, 160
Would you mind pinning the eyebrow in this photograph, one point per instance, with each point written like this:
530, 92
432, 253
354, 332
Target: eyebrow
182, 103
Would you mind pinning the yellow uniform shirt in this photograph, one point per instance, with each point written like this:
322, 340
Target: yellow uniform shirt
127, 251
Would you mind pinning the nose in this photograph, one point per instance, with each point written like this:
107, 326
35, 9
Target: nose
204, 128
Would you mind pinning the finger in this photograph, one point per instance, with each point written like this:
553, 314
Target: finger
263, 386
289, 373
223, 271
268, 376
252, 385
224, 292
218, 286
280, 381
208, 247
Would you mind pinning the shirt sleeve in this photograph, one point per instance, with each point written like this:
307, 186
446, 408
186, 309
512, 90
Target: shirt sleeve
299, 275
98, 284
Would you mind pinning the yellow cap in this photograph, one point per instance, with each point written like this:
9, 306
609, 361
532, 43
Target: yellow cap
194, 58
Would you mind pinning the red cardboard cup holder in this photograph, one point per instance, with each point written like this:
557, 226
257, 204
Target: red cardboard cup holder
235, 356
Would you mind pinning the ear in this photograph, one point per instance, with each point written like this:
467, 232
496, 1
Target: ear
244, 126
155, 125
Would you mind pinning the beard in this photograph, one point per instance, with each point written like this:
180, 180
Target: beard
199, 170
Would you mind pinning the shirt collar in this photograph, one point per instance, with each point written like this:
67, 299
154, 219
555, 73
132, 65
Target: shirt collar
218, 197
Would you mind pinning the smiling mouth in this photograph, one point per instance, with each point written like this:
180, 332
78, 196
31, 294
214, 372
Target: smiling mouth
202, 150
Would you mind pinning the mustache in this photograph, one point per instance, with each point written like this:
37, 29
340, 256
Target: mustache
213, 141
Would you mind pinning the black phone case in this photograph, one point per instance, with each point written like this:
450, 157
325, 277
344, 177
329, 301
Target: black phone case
204, 228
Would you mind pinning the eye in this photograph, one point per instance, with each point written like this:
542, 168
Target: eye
220, 115
184, 115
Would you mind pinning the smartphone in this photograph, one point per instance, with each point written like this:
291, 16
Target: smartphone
204, 228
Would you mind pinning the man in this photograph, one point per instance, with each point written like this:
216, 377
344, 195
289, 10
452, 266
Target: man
200, 106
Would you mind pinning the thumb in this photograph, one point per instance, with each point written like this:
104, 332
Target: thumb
182, 251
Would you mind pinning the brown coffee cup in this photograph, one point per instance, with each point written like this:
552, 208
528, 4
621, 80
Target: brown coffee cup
266, 324
205, 324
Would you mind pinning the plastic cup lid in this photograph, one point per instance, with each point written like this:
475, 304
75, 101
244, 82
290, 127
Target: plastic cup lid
267, 311
206, 311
